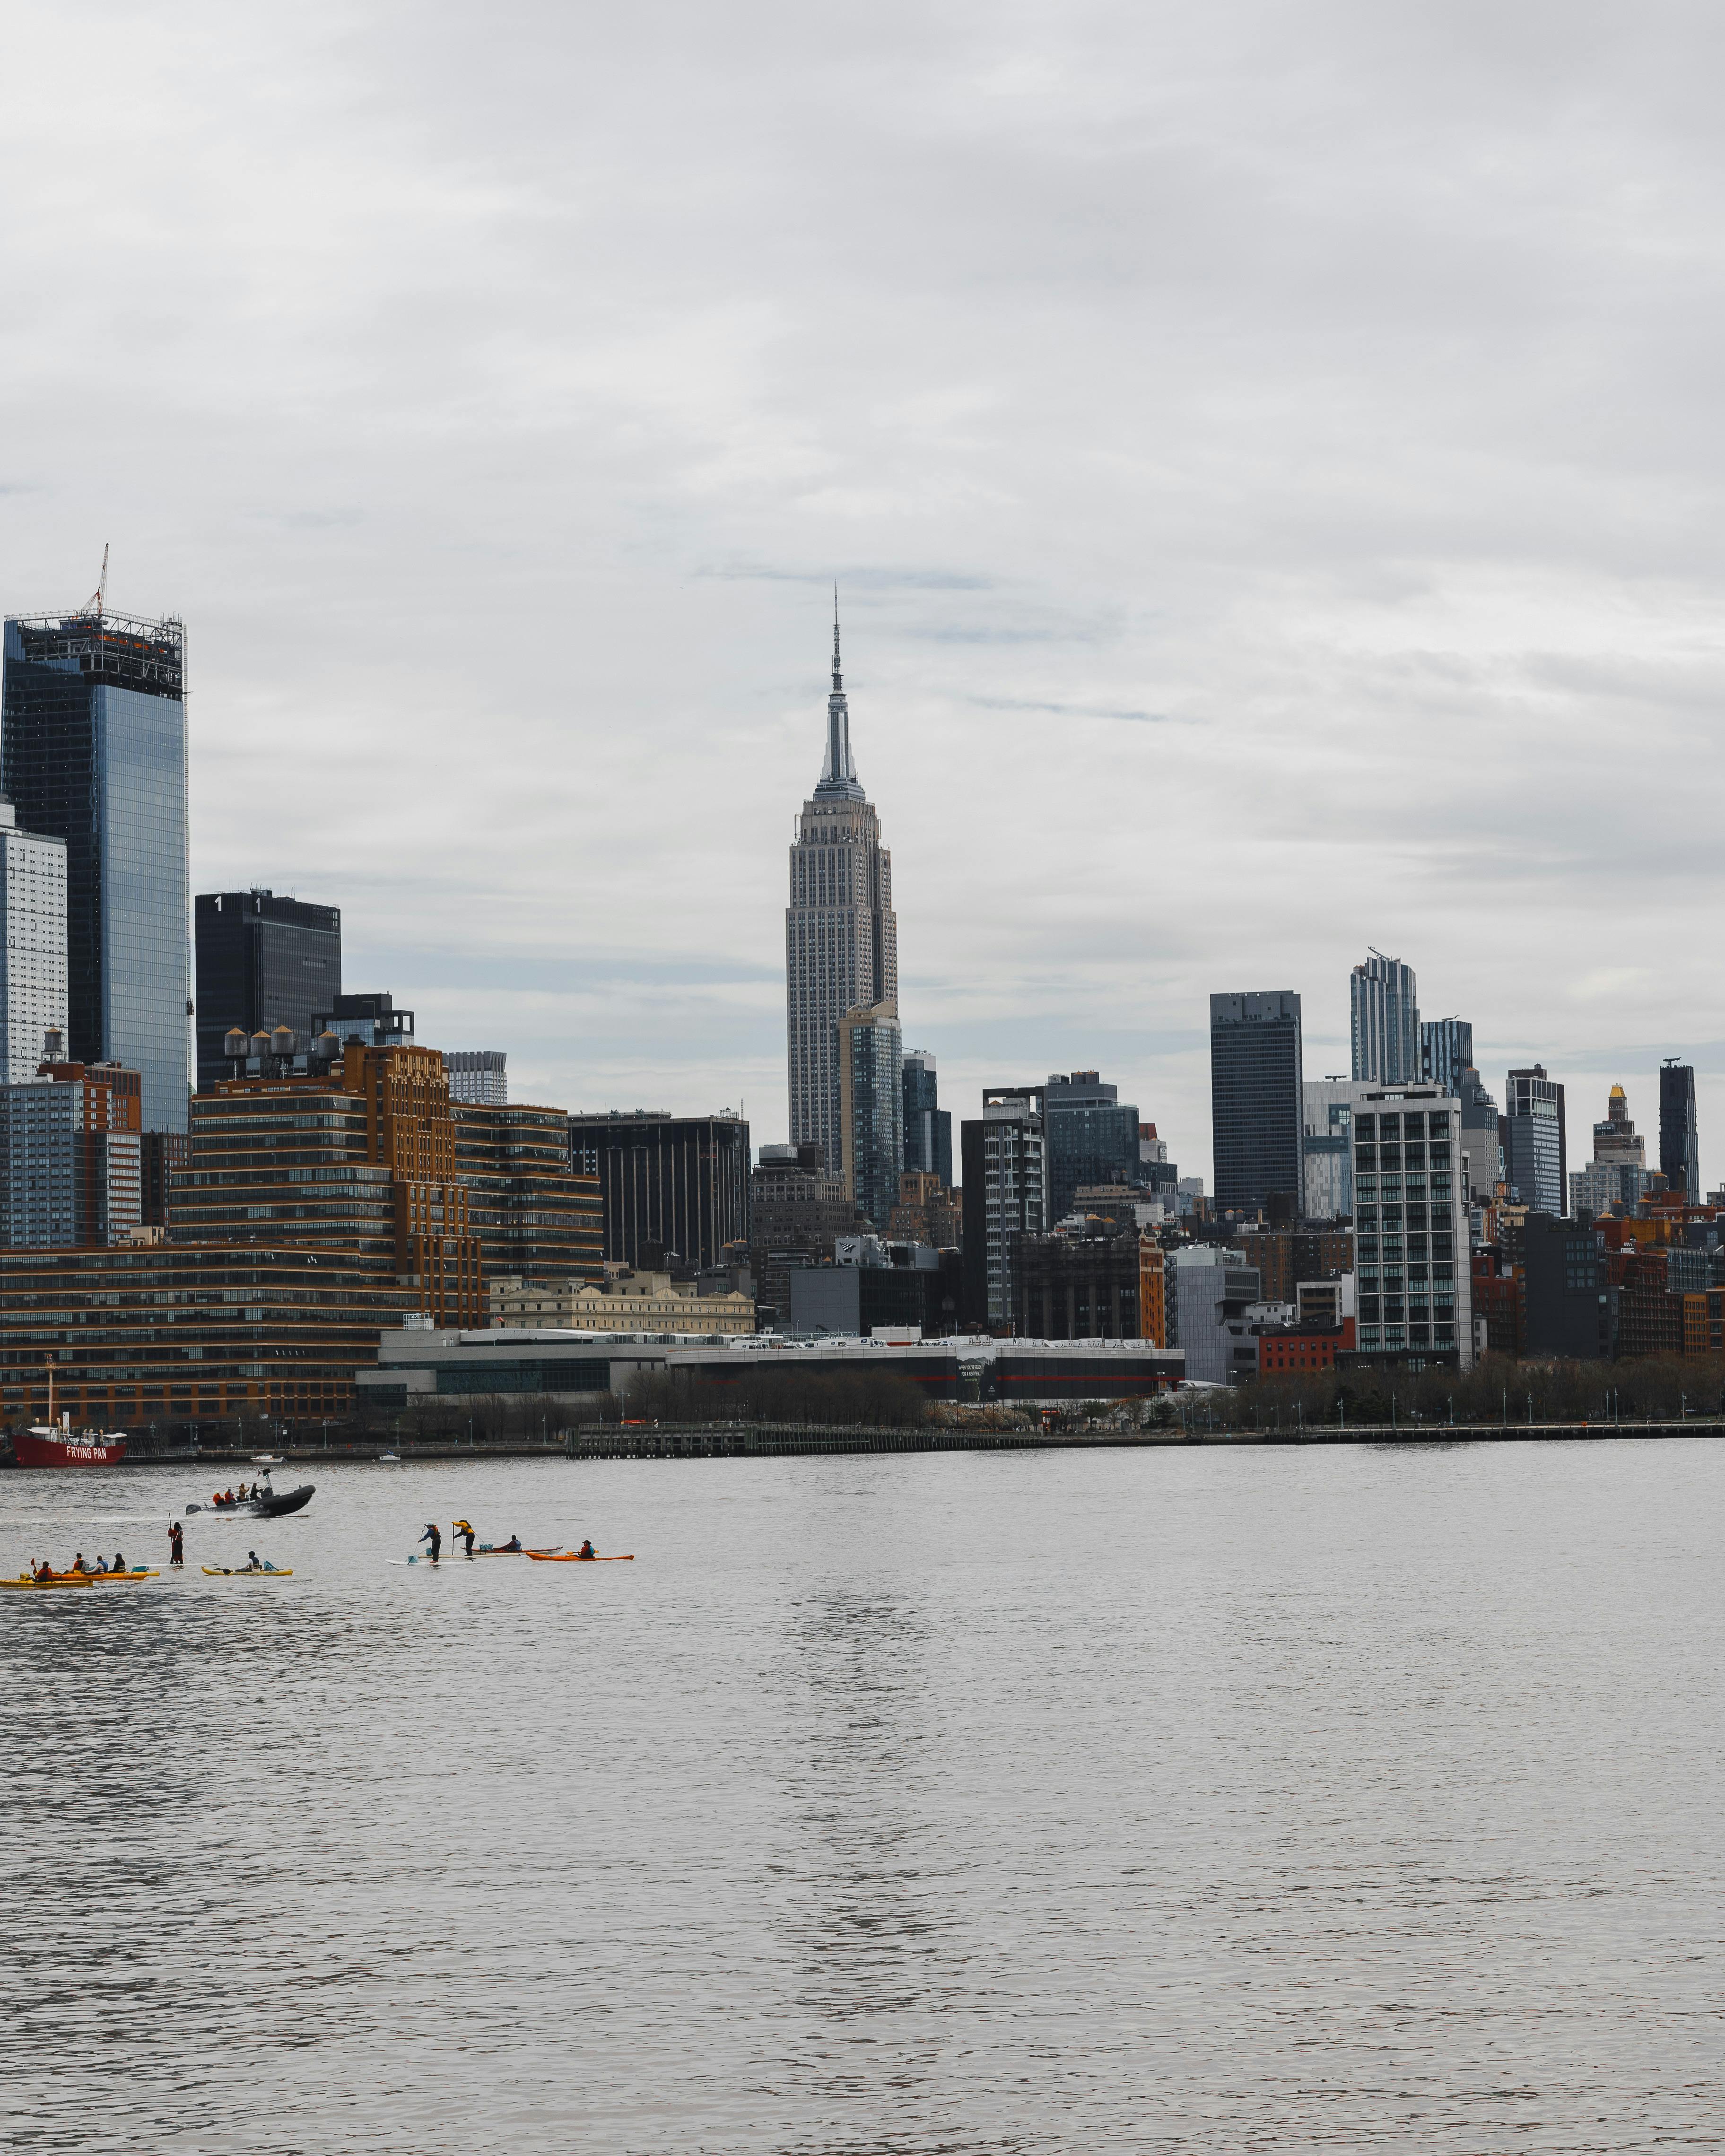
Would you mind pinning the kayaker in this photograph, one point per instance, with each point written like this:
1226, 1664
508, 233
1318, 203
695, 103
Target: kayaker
513, 1544
176, 1543
78, 1563
463, 1531
434, 1535
254, 1562
119, 1563
587, 1550
99, 1566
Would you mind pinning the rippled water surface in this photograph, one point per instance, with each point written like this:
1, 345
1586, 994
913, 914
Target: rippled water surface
1212, 1801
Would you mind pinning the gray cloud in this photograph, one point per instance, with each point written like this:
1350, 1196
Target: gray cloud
497, 395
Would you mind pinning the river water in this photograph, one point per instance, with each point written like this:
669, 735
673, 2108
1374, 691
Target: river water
1176, 1800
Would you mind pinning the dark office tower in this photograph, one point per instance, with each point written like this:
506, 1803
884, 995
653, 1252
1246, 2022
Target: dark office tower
1679, 1147
1255, 1101
93, 750
1535, 1163
1087, 1137
262, 961
1445, 1051
928, 1127
669, 1184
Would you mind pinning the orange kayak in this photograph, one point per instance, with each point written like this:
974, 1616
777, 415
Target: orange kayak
541, 1557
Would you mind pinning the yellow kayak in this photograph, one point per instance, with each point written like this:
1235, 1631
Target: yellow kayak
75, 1579
138, 1572
245, 1571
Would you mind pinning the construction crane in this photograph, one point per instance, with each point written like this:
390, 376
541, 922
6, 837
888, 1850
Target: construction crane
98, 599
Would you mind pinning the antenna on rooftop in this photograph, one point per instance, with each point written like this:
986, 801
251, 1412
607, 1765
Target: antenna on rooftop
99, 597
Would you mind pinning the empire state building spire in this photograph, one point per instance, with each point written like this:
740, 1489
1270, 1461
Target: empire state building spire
841, 975
838, 781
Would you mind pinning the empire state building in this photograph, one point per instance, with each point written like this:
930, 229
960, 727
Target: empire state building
841, 952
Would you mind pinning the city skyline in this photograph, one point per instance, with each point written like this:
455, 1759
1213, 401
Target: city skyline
1141, 616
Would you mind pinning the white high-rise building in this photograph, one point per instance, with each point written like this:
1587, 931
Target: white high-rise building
1410, 1235
32, 965
840, 937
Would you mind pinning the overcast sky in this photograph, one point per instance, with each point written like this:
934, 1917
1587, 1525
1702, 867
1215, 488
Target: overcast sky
1272, 457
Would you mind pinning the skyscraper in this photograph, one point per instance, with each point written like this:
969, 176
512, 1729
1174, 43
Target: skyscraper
928, 1127
1535, 1164
1088, 1137
1385, 1018
1618, 1169
1005, 1197
33, 961
93, 750
262, 961
1445, 1051
841, 938
871, 1100
1256, 1100
668, 1182
1679, 1147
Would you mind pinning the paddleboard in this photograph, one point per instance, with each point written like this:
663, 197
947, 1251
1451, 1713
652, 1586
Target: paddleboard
243, 1572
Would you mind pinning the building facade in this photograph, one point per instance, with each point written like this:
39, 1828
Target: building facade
1679, 1146
1413, 1279
262, 961
1481, 1139
478, 1075
355, 1154
871, 1108
1617, 1174
93, 751
71, 1171
668, 1185
176, 1333
1005, 1196
1088, 1137
841, 935
1535, 1165
798, 1210
1445, 1051
1385, 1021
620, 1302
928, 1127
1078, 1286
1257, 1100
535, 1217
927, 1210
1328, 1107
33, 961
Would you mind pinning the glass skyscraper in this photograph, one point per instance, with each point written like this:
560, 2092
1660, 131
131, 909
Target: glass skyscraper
1256, 1100
1385, 1021
93, 750
872, 1100
928, 1127
1535, 1153
262, 961
1088, 1137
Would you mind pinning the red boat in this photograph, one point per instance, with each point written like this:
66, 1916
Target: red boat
43, 1446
